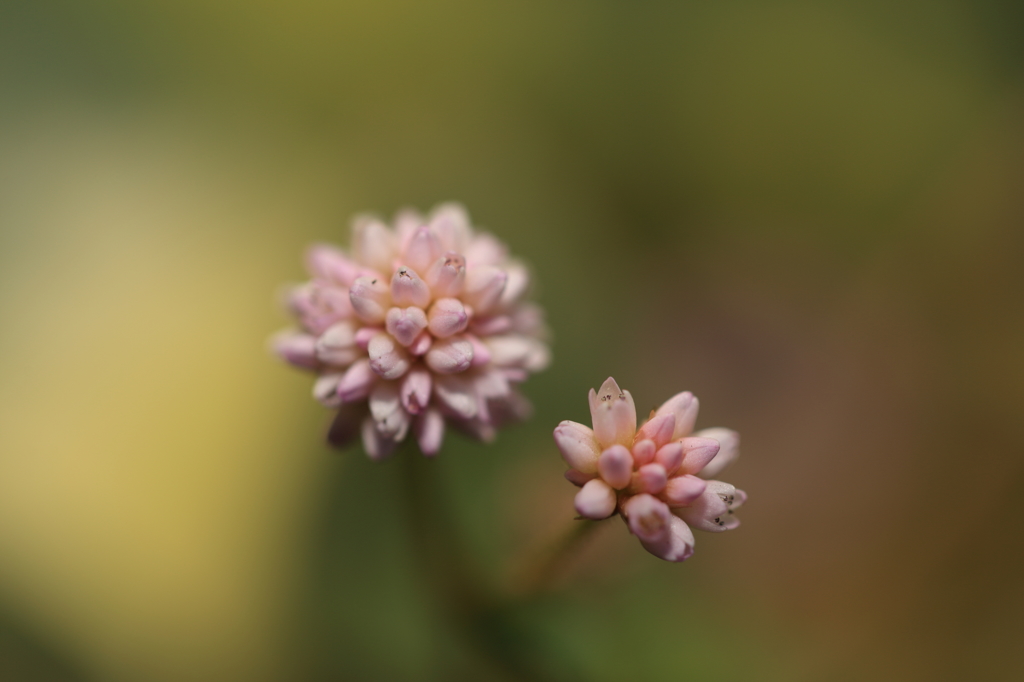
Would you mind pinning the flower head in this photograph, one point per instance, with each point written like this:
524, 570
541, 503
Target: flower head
417, 326
654, 476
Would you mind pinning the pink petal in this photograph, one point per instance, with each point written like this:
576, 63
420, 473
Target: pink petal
337, 345
296, 348
328, 262
490, 326
729, 450
681, 491
377, 445
450, 356
405, 324
613, 414
648, 517
651, 478
325, 389
697, 452
423, 249
373, 244
595, 500
711, 511
370, 298
446, 277
387, 358
416, 385
659, 429
451, 223
485, 249
677, 545
390, 418
670, 457
483, 287
457, 394
429, 430
684, 407
616, 466
516, 286
407, 289
364, 334
447, 317
578, 447
643, 452
355, 384
421, 344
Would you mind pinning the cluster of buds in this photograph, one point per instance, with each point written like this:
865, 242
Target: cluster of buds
418, 326
654, 477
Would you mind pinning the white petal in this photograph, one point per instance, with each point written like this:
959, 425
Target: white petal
729, 450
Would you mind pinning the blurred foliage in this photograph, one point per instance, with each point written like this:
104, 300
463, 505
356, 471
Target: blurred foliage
807, 213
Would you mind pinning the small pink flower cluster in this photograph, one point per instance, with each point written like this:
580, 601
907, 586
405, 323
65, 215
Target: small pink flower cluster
650, 475
417, 326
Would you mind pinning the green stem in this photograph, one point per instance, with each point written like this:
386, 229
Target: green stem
538, 576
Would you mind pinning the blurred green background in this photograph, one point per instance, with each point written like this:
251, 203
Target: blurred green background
810, 214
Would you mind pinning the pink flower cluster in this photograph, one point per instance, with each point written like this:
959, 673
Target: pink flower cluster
419, 325
655, 476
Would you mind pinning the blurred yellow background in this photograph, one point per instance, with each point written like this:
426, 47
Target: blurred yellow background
810, 214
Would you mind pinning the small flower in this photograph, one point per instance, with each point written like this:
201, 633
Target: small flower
418, 326
655, 477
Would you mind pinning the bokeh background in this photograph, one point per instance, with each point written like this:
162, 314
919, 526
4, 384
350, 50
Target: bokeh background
810, 214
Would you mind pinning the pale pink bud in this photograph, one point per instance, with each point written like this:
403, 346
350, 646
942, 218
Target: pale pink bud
377, 445
337, 345
450, 356
643, 452
447, 275
296, 348
491, 383
388, 359
364, 334
356, 382
457, 394
681, 491
517, 284
648, 517
729, 450
481, 352
451, 224
697, 452
485, 249
370, 298
484, 285
578, 446
408, 289
406, 222
391, 420
578, 478
405, 324
490, 326
684, 407
325, 389
421, 344
510, 350
658, 429
373, 244
423, 249
330, 263
675, 545
595, 500
651, 478
713, 510
416, 385
319, 306
616, 466
429, 430
447, 317
670, 456
613, 414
